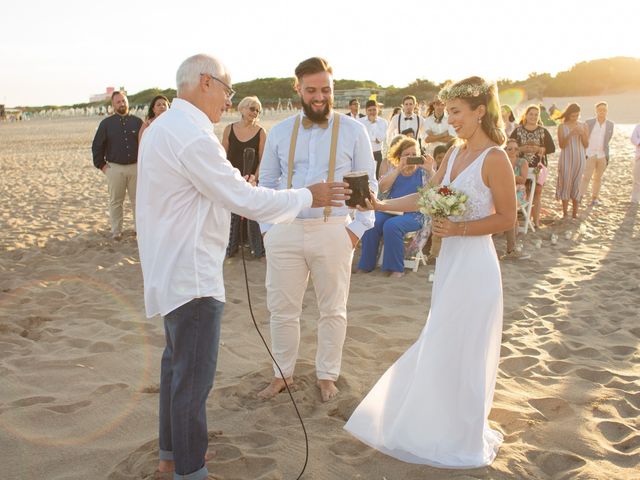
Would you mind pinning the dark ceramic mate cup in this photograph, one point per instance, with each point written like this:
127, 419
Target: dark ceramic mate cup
359, 185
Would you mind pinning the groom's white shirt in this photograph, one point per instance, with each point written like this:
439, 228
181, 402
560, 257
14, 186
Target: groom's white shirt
311, 164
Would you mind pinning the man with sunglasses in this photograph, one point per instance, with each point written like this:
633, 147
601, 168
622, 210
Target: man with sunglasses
186, 190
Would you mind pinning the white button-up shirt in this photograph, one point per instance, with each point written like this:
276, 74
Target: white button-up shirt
377, 132
416, 123
596, 140
430, 125
185, 193
311, 163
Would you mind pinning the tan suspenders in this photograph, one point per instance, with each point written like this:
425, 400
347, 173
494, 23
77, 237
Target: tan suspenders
332, 154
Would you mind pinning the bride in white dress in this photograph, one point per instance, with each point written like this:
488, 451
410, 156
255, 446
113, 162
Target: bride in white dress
431, 406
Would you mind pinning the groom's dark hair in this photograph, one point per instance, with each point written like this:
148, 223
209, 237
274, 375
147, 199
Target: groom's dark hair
310, 66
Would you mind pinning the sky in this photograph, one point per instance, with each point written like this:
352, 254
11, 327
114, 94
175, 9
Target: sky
60, 53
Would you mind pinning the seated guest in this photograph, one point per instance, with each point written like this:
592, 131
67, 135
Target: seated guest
385, 167
535, 143
520, 170
408, 132
402, 179
438, 155
377, 130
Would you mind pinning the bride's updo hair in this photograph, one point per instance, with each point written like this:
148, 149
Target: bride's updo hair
475, 91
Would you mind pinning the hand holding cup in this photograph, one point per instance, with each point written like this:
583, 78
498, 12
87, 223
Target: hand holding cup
329, 194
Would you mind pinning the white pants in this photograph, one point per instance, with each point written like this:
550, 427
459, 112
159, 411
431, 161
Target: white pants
121, 179
595, 167
293, 251
635, 193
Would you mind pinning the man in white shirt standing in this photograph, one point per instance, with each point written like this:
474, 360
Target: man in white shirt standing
635, 139
377, 129
437, 130
315, 145
600, 133
186, 190
407, 118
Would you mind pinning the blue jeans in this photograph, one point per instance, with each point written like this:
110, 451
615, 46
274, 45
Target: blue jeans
188, 367
392, 228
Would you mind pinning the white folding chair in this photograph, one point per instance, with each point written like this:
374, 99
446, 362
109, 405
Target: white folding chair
526, 208
413, 262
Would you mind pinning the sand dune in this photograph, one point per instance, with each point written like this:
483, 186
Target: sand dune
80, 364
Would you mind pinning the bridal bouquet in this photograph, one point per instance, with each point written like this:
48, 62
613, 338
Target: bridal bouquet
440, 201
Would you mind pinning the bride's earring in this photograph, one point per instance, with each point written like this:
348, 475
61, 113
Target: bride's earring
479, 119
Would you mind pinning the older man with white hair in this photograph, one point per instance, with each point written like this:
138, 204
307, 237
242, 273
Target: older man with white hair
186, 191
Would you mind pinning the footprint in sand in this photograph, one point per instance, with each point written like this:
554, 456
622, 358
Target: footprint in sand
247, 466
101, 347
555, 464
70, 408
599, 377
630, 445
559, 367
362, 334
551, 407
622, 352
557, 350
344, 408
350, 451
614, 431
27, 402
517, 366
587, 352
109, 388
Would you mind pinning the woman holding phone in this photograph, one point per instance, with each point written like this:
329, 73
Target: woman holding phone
408, 172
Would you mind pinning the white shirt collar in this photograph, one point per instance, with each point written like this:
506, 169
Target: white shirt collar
198, 116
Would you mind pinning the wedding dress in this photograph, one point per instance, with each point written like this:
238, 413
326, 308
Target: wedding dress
431, 406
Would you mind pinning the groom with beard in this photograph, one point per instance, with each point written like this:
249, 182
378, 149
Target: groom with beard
315, 145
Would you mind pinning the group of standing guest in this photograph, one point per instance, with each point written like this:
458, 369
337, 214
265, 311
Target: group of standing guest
584, 153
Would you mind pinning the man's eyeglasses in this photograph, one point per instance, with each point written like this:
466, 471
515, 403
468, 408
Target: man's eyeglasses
228, 91
511, 149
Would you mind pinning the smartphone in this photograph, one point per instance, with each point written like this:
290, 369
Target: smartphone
415, 160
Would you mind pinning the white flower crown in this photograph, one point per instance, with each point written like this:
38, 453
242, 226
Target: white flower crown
463, 91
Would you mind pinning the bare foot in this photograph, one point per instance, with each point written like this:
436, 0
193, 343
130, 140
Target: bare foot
168, 466
275, 387
396, 274
328, 389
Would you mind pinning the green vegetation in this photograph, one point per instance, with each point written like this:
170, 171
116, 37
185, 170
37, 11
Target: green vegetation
596, 77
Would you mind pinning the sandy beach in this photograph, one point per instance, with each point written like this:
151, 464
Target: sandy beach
79, 362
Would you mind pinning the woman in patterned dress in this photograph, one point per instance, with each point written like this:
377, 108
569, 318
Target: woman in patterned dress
573, 138
535, 144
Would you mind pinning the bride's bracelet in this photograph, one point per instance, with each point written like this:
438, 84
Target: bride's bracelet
464, 229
